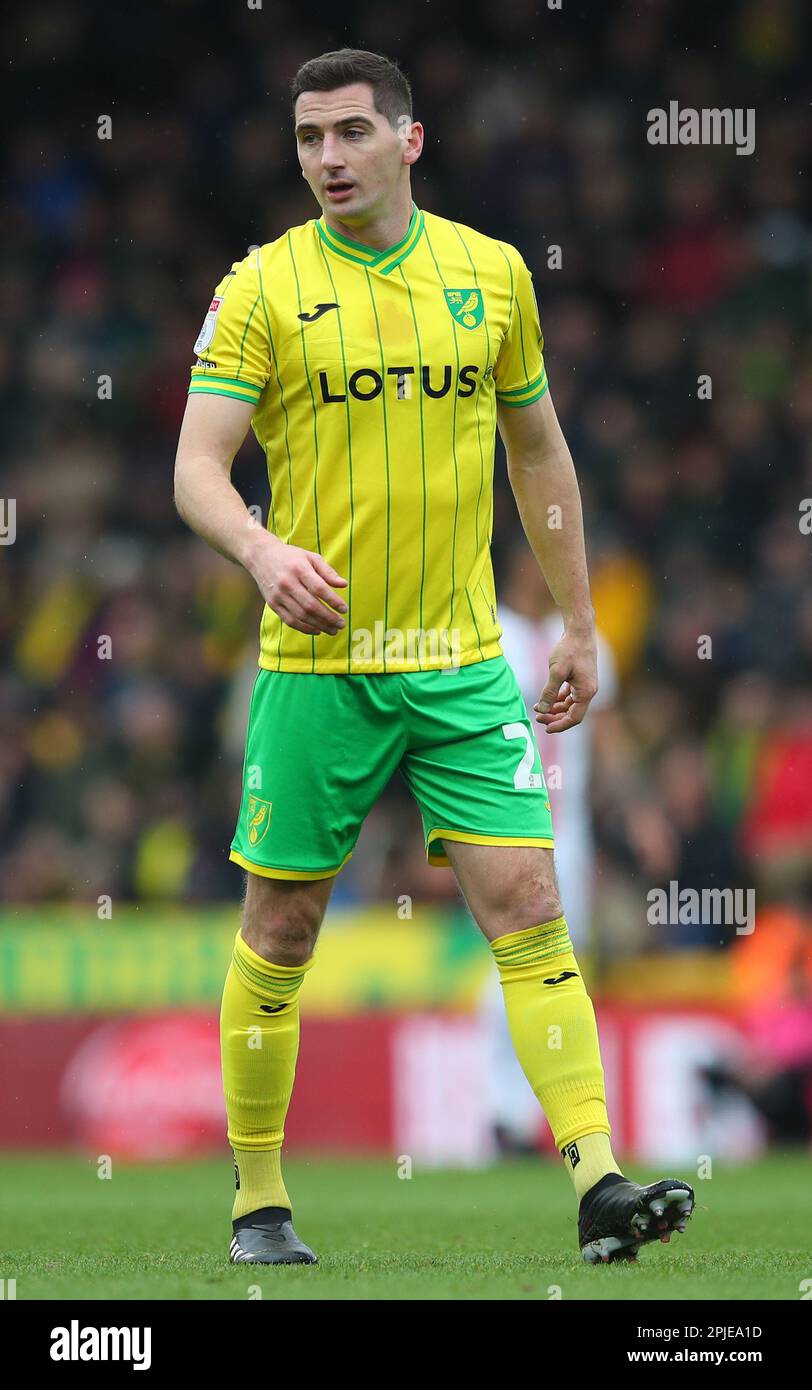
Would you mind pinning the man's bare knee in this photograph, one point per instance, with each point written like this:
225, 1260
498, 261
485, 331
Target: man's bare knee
528, 906
282, 917
508, 889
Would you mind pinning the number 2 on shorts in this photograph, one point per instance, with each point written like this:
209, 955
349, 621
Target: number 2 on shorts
524, 776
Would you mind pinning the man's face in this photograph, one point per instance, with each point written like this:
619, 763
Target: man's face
349, 153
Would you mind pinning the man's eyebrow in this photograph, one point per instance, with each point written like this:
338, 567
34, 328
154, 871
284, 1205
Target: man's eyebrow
345, 120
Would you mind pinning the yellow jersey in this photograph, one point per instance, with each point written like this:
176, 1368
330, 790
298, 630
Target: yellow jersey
375, 377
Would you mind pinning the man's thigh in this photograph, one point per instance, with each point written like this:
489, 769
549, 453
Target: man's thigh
507, 887
282, 917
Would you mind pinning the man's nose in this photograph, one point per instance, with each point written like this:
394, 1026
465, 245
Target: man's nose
331, 156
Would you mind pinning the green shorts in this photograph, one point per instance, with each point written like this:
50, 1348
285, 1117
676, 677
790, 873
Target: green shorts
321, 748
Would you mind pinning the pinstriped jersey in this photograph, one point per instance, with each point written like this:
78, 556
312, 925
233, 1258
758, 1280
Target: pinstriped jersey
375, 377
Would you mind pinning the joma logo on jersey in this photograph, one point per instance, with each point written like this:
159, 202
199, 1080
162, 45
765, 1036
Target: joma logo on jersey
259, 819
317, 312
366, 383
465, 306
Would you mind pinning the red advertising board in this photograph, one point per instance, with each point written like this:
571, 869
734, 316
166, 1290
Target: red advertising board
148, 1086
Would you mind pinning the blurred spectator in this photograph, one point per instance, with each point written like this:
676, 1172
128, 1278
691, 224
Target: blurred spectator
773, 977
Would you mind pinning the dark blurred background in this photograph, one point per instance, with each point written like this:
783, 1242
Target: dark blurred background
121, 776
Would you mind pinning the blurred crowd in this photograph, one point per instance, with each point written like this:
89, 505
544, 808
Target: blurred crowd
678, 339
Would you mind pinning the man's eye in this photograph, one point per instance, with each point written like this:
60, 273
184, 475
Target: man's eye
355, 132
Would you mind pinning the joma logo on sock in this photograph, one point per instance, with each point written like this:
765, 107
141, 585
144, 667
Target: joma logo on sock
559, 979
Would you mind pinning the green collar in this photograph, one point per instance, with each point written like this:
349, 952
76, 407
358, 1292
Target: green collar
384, 261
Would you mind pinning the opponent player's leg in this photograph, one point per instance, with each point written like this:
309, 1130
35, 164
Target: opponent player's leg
474, 767
512, 1106
513, 896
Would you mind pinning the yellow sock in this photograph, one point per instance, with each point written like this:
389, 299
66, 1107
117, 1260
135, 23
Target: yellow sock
589, 1159
555, 1036
259, 1043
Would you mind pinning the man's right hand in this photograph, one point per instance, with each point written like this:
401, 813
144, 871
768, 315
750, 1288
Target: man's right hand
295, 583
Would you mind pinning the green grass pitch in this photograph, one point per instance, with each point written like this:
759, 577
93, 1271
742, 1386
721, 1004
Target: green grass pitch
507, 1232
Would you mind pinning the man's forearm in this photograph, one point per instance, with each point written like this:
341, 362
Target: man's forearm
549, 503
209, 503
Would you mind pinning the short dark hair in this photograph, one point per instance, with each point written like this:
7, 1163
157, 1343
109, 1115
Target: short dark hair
391, 93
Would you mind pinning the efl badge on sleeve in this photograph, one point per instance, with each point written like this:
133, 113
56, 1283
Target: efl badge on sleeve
209, 324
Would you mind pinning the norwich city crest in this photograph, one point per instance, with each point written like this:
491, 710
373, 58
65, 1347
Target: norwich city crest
465, 306
259, 818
